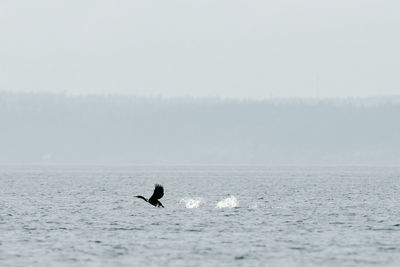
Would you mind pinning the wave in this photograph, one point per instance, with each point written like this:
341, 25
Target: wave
229, 202
191, 203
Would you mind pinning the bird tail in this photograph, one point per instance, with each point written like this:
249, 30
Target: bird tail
159, 204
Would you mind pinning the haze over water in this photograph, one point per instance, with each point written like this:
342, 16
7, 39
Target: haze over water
213, 216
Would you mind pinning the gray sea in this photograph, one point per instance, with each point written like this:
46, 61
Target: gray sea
213, 216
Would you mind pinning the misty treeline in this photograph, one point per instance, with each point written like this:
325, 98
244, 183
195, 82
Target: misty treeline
62, 129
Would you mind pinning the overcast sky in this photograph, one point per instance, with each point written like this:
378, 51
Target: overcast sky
228, 48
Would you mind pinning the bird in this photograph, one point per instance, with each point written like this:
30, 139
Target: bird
157, 194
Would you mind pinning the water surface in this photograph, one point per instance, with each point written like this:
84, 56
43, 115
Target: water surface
213, 216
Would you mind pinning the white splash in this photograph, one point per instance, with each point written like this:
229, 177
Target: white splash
230, 202
253, 206
191, 203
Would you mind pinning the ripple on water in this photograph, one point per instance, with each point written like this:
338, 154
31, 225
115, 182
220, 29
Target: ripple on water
305, 215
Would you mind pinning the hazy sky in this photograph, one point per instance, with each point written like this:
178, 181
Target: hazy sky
230, 48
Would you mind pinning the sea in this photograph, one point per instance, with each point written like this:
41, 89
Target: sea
213, 216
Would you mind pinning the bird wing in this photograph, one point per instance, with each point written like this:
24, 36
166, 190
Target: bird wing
158, 192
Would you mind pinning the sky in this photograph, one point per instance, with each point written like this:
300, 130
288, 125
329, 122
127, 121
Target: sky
224, 48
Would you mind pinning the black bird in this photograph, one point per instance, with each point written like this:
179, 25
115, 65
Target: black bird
153, 200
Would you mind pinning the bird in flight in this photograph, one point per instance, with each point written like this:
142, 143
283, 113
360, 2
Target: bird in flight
154, 199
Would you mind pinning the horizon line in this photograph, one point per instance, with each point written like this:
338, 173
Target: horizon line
197, 97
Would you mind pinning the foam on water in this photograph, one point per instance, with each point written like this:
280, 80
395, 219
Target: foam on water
191, 203
253, 206
229, 202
